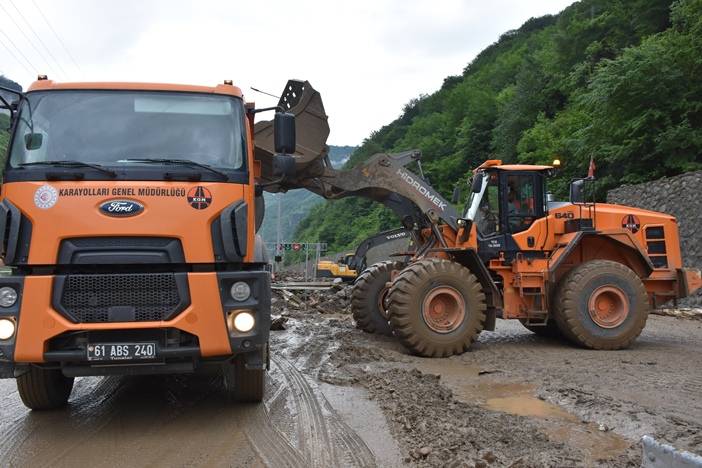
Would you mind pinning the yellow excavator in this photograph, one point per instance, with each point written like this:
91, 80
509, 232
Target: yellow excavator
337, 269
349, 266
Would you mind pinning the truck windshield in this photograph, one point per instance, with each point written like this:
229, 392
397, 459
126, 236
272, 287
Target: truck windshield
117, 128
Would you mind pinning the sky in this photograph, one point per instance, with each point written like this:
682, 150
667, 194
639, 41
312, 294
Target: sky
366, 58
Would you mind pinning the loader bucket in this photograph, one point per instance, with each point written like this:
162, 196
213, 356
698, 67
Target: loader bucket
311, 129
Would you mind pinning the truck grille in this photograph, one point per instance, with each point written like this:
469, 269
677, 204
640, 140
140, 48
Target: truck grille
138, 297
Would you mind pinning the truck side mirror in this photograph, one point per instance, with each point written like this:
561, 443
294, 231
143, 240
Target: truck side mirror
283, 165
576, 191
284, 132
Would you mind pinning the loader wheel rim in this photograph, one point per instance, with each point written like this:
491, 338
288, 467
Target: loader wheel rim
608, 306
443, 309
382, 302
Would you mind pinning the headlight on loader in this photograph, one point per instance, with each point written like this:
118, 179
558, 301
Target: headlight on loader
7, 328
8, 296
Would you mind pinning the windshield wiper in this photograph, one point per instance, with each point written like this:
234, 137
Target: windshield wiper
70, 163
184, 162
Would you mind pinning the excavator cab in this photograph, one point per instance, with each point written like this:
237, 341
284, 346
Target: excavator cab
506, 200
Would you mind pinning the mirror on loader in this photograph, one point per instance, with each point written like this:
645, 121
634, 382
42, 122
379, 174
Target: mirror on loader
284, 143
577, 190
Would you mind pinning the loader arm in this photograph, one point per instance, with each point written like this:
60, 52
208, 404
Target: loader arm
383, 178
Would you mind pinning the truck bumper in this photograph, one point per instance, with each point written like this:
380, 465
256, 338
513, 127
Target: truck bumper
195, 336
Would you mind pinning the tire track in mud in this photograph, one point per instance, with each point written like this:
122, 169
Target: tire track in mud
321, 449
84, 403
270, 444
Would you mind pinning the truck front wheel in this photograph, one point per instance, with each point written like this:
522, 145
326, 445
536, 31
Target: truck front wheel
44, 389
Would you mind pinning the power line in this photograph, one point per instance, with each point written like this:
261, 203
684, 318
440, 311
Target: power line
38, 38
27, 38
15, 57
9, 39
63, 45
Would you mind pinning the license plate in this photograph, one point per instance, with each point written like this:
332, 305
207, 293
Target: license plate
121, 351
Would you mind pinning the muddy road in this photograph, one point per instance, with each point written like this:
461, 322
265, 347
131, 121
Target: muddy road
340, 397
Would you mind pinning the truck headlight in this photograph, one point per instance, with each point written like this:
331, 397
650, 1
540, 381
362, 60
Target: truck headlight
8, 296
240, 291
7, 328
241, 321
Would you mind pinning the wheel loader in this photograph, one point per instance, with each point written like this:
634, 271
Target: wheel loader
589, 272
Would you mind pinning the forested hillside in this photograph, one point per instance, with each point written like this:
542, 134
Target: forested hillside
614, 80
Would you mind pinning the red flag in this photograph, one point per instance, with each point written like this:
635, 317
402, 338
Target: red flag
591, 169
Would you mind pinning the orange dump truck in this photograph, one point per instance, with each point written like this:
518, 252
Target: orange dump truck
128, 216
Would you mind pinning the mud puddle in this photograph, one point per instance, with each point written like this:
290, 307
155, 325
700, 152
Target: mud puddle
473, 385
366, 419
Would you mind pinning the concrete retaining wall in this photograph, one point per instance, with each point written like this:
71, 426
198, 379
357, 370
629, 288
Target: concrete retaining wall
680, 196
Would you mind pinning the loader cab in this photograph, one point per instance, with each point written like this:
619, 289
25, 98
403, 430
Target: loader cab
506, 200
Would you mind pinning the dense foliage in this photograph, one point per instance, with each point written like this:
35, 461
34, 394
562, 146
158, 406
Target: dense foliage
616, 80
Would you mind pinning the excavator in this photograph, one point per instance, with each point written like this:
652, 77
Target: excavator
588, 272
350, 265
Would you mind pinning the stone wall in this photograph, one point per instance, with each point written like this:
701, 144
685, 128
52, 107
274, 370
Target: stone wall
680, 196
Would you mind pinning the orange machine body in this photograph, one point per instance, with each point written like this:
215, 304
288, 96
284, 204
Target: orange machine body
169, 211
536, 258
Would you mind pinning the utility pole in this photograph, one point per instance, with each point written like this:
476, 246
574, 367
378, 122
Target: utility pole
278, 249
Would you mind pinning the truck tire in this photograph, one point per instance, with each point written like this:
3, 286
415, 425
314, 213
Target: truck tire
437, 308
242, 384
368, 298
550, 330
601, 304
44, 389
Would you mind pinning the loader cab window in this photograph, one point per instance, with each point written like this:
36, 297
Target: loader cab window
522, 204
487, 217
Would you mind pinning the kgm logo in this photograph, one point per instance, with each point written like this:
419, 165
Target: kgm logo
121, 208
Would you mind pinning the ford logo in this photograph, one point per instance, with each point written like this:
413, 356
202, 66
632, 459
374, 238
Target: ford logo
121, 208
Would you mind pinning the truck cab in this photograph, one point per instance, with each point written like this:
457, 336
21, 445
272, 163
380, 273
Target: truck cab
128, 219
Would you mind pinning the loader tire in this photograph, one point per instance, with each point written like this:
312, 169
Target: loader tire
601, 304
44, 389
550, 330
368, 298
436, 307
242, 384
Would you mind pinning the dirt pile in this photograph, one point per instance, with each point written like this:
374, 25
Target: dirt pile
435, 428
293, 299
